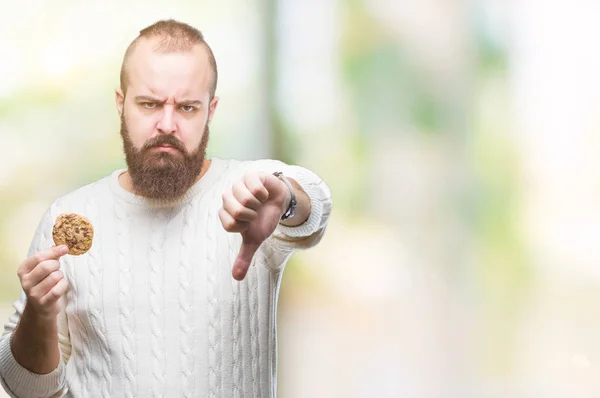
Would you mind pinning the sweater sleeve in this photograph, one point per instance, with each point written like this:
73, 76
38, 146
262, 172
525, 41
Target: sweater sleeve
288, 239
17, 381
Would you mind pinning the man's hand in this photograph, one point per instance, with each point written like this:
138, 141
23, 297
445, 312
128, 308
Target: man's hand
34, 342
43, 282
253, 207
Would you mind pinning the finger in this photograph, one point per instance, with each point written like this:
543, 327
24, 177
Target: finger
42, 288
39, 273
243, 260
242, 194
230, 224
255, 184
236, 209
53, 253
55, 293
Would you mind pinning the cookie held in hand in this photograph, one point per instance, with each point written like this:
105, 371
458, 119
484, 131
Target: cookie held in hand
75, 231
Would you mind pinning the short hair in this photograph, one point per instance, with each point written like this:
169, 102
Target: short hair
174, 36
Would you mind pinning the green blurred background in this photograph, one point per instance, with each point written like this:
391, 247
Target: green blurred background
460, 140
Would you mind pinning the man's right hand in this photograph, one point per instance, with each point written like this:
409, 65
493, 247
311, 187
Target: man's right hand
34, 342
43, 282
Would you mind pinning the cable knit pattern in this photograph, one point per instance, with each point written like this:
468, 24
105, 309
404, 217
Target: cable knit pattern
95, 301
75, 310
186, 301
253, 290
152, 309
157, 341
84, 350
126, 319
214, 313
238, 371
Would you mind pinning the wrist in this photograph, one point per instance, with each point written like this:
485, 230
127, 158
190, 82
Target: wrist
303, 207
40, 319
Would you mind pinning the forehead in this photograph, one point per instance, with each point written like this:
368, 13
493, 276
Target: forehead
168, 74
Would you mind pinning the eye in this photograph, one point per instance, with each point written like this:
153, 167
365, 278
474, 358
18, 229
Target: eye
149, 105
188, 108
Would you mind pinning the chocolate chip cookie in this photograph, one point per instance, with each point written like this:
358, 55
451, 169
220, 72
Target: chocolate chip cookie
75, 231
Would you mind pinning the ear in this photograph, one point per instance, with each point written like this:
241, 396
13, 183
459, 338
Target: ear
120, 100
212, 108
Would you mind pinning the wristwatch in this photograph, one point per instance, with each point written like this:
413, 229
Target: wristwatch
291, 210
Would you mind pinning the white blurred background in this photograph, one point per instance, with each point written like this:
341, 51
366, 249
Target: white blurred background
460, 139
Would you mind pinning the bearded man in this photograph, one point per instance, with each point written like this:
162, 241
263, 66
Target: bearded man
177, 296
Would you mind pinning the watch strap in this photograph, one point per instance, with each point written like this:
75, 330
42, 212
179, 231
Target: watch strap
291, 210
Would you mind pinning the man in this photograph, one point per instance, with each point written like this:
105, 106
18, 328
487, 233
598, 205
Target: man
177, 295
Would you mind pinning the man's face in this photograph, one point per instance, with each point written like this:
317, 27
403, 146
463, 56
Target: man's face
164, 119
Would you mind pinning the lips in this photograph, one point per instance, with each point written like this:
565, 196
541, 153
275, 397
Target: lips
166, 148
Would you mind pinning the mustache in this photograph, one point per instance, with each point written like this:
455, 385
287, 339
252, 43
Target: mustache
161, 140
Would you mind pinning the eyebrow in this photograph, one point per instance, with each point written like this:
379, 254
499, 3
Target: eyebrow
145, 98
190, 102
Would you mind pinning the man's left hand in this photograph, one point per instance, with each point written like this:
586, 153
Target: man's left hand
253, 207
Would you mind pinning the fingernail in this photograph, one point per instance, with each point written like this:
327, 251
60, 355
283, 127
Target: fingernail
63, 250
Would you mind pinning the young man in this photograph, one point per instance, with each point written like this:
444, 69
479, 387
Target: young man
177, 296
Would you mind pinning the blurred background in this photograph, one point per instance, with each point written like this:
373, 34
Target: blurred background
461, 142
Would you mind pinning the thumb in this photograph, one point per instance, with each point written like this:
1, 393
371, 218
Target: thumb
244, 259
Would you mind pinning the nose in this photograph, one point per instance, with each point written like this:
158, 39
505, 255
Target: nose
166, 124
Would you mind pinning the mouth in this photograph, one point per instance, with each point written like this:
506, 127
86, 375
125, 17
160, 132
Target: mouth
166, 148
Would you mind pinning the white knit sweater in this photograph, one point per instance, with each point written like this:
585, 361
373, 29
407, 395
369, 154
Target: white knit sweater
152, 309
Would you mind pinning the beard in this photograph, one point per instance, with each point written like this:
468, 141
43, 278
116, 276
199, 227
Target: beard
163, 176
